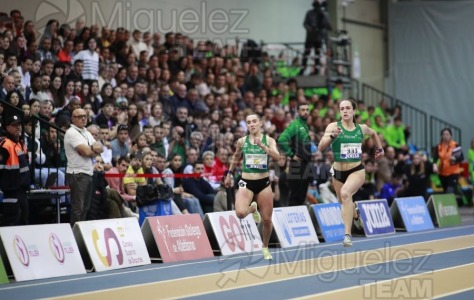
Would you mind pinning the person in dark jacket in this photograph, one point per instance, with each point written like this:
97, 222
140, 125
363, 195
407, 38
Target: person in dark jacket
200, 188
15, 177
295, 142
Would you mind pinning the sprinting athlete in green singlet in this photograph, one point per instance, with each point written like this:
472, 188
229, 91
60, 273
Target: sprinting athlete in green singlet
348, 173
256, 149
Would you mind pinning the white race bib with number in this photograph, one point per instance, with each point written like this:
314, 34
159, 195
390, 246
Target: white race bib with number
256, 161
351, 150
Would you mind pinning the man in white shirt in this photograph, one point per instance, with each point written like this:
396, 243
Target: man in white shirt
137, 44
24, 70
81, 149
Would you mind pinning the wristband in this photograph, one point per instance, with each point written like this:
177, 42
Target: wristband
230, 172
380, 150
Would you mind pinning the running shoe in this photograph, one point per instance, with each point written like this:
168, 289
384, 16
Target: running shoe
266, 254
358, 222
256, 215
347, 241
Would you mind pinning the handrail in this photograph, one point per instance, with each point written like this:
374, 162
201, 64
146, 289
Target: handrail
424, 132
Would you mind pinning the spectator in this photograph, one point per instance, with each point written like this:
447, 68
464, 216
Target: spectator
191, 157
418, 176
14, 173
200, 188
90, 59
120, 145
449, 155
8, 85
392, 189
131, 183
186, 202
395, 136
80, 149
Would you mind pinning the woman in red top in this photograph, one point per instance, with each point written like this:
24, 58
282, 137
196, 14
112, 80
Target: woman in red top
450, 155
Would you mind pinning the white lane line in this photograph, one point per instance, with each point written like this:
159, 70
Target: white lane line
388, 280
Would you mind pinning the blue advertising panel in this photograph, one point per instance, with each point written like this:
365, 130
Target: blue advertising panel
414, 213
328, 216
376, 217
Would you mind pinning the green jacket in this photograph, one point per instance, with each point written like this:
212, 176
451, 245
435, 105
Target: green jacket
295, 140
394, 136
470, 157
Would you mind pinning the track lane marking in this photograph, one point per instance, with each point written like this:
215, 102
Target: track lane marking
206, 284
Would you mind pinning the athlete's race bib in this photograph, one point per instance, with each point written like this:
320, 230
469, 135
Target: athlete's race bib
351, 150
256, 161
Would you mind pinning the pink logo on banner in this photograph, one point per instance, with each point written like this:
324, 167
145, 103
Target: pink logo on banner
56, 247
21, 250
236, 232
180, 237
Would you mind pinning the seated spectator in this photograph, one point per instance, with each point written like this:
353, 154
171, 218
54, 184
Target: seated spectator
395, 136
191, 158
221, 199
116, 183
130, 183
158, 145
200, 188
418, 176
392, 189
119, 145
368, 190
192, 204
327, 193
208, 160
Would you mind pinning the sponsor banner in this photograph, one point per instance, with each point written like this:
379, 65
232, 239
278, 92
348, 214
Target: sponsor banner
234, 235
178, 238
329, 220
113, 243
3, 273
376, 217
411, 213
444, 209
293, 226
41, 251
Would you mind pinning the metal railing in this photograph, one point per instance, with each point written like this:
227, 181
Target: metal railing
424, 129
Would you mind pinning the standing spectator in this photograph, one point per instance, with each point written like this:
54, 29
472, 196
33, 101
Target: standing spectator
14, 173
316, 25
296, 143
80, 149
450, 156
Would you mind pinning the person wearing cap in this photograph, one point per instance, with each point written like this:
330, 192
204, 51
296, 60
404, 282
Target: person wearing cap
81, 149
15, 177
